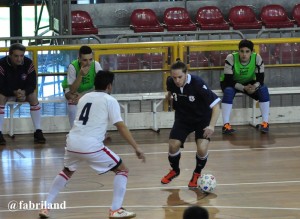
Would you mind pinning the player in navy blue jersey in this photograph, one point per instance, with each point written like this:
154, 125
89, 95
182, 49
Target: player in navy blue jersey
197, 109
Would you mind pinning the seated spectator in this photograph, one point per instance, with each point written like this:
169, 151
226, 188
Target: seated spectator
244, 73
80, 79
18, 82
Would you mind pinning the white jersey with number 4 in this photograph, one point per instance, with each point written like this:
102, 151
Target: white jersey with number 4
95, 111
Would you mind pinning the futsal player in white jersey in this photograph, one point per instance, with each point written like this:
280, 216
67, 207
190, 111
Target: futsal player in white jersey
85, 143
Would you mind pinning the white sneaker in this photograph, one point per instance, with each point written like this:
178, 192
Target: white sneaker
121, 213
44, 213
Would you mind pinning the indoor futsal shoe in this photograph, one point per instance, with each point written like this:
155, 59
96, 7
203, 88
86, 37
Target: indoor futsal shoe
194, 180
39, 137
2, 139
227, 130
264, 127
121, 213
44, 213
169, 177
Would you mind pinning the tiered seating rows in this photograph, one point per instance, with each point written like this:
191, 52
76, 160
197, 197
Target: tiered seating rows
285, 53
207, 18
211, 18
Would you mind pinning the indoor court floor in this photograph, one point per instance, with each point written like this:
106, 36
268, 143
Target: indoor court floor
258, 177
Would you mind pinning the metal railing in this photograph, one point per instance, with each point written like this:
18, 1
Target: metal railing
51, 40
179, 36
293, 32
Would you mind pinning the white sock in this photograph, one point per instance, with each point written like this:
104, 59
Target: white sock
264, 108
72, 109
35, 112
1, 116
57, 185
226, 110
120, 182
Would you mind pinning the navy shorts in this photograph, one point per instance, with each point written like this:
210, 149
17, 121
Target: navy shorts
182, 129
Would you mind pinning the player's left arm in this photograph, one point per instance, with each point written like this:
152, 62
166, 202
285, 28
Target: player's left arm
259, 72
209, 130
214, 103
31, 80
259, 75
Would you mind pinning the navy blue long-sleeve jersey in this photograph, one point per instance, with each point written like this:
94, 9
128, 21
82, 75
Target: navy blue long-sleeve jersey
194, 102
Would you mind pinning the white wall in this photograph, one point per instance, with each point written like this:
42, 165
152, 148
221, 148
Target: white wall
164, 120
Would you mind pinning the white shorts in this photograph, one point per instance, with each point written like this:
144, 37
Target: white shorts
101, 161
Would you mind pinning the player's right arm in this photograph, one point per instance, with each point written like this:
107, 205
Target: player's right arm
126, 134
228, 73
2, 80
74, 79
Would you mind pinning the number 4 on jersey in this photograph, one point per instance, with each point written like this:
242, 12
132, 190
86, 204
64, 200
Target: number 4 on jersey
84, 115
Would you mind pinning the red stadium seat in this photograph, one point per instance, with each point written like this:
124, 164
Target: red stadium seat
275, 16
178, 19
198, 59
217, 58
296, 14
296, 53
266, 55
127, 62
243, 17
145, 20
82, 23
153, 61
211, 18
283, 53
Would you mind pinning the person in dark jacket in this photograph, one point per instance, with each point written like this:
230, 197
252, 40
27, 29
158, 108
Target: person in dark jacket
18, 82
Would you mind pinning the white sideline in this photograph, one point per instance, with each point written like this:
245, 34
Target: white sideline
156, 99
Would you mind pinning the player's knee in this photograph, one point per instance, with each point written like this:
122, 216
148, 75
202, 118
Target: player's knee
3, 99
122, 172
32, 99
120, 168
35, 107
174, 147
68, 172
263, 94
229, 93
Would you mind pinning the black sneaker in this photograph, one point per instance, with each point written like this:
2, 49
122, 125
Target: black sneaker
2, 140
39, 137
227, 130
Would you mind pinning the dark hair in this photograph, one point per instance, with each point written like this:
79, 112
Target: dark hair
246, 43
103, 79
195, 212
179, 65
84, 50
16, 46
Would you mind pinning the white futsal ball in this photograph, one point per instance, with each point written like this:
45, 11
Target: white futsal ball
207, 182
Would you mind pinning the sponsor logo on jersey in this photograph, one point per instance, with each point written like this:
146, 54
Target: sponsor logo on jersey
23, 76
192, 98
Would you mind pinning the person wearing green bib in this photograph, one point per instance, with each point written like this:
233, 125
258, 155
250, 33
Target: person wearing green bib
80, 79
244, 72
